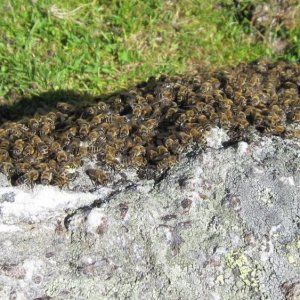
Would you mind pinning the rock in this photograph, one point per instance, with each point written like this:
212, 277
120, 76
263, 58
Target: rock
223, 223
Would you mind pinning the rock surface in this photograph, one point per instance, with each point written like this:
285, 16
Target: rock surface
224, 223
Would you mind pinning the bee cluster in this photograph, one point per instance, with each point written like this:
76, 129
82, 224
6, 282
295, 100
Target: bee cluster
150, 125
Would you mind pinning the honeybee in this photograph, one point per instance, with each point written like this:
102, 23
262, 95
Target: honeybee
102, 107
184, 137
61, 156
93, 136
112, 132
28, 178
54, 147
111, 160
170, 112
52, 115
124, 131
151, 124
73, 164
95, 149
296, 116
137, 161
65, 108
36, 140
60, 179
276, 130
293, 134
46, 177
4, 144
52, 164
22, 168
173, 145
166, 163
98, 119
72, 131
225, 121
84, 130
42, 148
137, 110
4, 155
97, 176
91, 111
28, 150
18, 147
7, 168
64, 139
137, 151
117, 105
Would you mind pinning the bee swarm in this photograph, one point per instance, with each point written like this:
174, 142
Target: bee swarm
150, 125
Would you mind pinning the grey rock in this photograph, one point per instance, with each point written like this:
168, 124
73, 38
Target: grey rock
222, 224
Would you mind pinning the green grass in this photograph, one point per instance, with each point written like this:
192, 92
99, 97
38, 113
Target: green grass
102, 46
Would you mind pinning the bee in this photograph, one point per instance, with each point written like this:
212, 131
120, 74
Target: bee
46, 177
137, 151
296, 116
52, 164
94, 149
4, 144
102, 107
65, 108
42, 167
7, 168
156, 112
61, 156
146, 109
97, 176
84, 130
54, 147
35, 140
91, 111
4, 155
137, 110
52, 116
73, 164
72, 131
138, 140
170, 112
184, 137
22, 168
61, 180
151, 124
289, 134
28, 178
42, 148
28, 150
124, 131
111, 159
64, 139
112, 132
18, 147
117, 105
225, 121
197, 134
166, 163
173, 145
136, 161
276, 130
96, 120
48, 140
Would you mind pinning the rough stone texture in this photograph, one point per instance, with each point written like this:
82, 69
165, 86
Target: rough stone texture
224, 223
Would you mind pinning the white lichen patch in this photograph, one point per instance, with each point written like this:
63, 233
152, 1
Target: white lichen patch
41, 202
287, 180
96, 221
215, 137
243, 148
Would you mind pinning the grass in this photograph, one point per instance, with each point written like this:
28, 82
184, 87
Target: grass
103, 46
